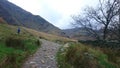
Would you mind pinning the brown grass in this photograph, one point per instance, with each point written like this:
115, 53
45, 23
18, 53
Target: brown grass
113, 55
2, 21
48, 36
79, 57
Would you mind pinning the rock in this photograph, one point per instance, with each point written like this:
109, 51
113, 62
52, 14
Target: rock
58, 66
46, 56
86, 53
54, 48
43, 62
44, 50
33, 66
62, 49
48, 66
32, 62
66, 45
63, 53
52, 57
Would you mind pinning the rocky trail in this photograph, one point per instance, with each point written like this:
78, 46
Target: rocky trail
44, 57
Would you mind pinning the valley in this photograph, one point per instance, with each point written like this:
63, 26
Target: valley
30, 41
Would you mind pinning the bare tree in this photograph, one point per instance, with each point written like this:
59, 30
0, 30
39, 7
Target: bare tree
86, 23
118, 2
115, 26
103, 15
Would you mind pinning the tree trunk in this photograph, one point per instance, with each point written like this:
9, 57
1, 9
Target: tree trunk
119, 20
119, 25
105, 32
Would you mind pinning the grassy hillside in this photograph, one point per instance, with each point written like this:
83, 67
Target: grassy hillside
14, 48
49, 37
76, 55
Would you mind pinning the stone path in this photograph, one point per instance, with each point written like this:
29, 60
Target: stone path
44, 57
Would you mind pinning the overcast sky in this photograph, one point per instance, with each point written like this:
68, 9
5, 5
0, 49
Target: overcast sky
57, 12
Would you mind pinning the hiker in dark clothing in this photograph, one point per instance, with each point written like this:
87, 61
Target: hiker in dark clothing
18, 31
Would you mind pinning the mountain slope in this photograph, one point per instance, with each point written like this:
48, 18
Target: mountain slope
15, 15
78, 33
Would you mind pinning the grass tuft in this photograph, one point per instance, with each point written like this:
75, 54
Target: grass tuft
14, 48
15, 42
81, 56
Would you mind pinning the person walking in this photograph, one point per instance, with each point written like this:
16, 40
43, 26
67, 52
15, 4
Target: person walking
18, 30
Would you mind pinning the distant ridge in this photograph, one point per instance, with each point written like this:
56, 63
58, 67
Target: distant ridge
78, 33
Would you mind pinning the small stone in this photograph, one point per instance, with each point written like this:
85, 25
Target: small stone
52, 57
44, 50
43, 62
32, 62
58, 65
53, 49
62, 49
66, 45
46, 56
48, 67
86, 53
63, 53
33, 66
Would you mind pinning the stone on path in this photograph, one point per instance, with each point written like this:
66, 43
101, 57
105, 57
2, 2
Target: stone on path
43, 61
44, 57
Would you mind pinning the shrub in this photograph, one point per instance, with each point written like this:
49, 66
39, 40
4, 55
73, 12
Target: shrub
102, 44
113, 55
12, 54
14, 42
80, 58
38, 42
59, 42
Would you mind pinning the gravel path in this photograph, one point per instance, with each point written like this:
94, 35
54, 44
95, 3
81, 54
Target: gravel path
44, 57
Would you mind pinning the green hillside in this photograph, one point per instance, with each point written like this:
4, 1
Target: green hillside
77, 55
14, 48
